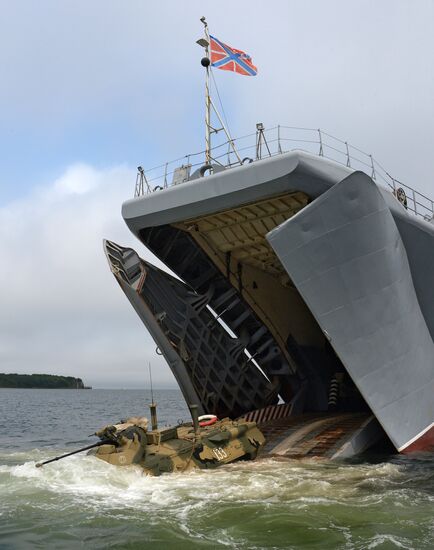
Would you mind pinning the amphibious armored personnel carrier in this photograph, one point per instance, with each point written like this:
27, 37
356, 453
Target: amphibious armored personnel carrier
179, 449
204, 443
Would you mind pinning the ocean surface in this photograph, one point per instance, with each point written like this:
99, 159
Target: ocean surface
377, 501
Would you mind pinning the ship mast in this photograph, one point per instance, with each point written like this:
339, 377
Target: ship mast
206, 63
205, 43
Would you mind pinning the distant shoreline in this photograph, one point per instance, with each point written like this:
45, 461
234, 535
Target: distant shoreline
41, 381
41, 388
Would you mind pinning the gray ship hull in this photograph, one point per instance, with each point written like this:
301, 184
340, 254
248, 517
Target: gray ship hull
346, 257
318, 280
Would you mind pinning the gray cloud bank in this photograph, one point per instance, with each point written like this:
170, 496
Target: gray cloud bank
62, 310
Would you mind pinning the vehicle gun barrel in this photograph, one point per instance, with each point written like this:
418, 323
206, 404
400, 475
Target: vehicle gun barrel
98, 444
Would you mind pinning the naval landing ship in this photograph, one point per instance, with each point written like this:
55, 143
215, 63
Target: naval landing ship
304, 297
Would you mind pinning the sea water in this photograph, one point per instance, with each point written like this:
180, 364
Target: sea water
375, 501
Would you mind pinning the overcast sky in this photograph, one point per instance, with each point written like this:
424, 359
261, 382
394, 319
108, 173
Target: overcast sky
89, 90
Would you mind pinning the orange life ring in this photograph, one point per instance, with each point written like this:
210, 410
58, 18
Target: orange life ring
207, 420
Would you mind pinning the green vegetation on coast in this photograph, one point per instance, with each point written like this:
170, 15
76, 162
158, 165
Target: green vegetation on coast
49, 381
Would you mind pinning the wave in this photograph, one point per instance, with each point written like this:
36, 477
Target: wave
241, 505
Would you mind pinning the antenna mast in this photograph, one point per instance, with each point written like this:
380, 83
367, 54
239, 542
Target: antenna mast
206, 62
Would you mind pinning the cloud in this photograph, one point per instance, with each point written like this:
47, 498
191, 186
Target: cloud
96, 81
62, 311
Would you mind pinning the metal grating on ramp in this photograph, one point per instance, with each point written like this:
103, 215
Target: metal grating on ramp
311, 435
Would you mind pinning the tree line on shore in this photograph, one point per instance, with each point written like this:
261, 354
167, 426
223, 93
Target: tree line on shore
49, 381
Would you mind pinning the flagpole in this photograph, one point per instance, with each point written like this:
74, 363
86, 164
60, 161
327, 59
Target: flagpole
206, 63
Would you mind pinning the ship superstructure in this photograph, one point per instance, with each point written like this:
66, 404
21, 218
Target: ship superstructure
304, 287
304, 298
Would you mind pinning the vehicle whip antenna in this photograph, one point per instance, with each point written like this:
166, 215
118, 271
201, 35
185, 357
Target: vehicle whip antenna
150, 380
153, 405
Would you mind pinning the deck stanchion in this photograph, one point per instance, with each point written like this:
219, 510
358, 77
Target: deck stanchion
348, 155
373, 168
165, 176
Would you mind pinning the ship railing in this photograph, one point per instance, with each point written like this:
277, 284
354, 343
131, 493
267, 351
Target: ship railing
265, 143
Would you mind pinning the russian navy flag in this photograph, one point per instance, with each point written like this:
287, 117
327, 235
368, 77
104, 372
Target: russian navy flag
229, 59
